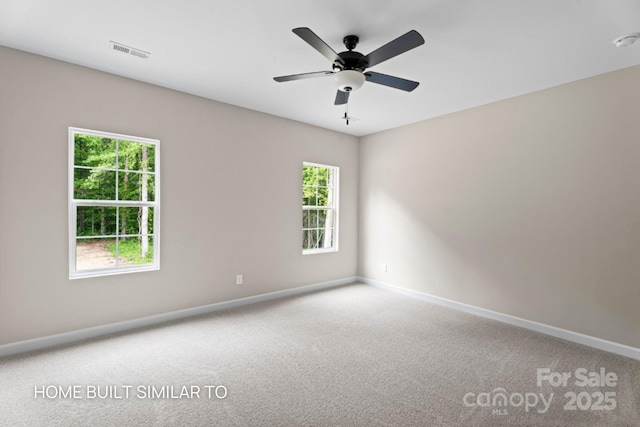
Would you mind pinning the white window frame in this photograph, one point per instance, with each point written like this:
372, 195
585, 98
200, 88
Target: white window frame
334, 207
75, 203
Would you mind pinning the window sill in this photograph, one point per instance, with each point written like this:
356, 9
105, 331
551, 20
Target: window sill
123, 270
318, 251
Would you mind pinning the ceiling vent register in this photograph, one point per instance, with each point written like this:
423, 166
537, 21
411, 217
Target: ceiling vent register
119, 47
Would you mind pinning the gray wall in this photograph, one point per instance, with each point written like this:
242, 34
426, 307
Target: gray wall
529, 206
231, 197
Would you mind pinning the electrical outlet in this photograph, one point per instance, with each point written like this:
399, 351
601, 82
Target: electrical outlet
384, 267
238, 279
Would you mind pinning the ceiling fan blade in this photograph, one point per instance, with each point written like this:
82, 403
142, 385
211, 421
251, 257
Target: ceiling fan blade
391, 81
318, 44
302, 76
395, 47
341, 98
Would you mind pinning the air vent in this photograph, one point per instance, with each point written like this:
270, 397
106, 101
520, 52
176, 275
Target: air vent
139, 53
119, 47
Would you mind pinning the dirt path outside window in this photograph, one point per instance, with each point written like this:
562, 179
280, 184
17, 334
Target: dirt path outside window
94, 254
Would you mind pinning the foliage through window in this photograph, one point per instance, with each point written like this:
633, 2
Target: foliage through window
319, 208
113, 203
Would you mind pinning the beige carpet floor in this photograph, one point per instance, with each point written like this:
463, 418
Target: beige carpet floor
348, 356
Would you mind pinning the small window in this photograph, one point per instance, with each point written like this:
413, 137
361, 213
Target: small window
114, 203
319, 208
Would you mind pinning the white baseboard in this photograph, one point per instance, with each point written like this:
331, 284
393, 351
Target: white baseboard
600, 344
97, 331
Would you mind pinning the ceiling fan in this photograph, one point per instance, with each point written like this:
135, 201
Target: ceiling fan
348, 67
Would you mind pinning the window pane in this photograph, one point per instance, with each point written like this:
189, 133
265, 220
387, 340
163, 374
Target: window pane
128, 220
325, 218
95, 221
323, 196
94, 184
322, 238
94, 151
136, 156
326, 238
93, 254
316, 196
310, 239
308, 219
135, 250
319, 237
313, 239
323, 174
135, 220
309, 196
128, 186
329, 180
309, 175
133, 186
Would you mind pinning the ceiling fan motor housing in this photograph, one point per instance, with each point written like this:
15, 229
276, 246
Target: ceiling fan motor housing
351, 41
352, 60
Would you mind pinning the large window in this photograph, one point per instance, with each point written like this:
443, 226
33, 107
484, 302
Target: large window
114, 203
319, 208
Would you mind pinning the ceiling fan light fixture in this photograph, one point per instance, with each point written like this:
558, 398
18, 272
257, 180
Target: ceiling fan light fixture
348, 80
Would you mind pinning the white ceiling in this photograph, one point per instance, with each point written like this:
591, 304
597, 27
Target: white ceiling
476, 52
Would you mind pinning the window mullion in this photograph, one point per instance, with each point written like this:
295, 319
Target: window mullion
112, 169
113, 203
117, 178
